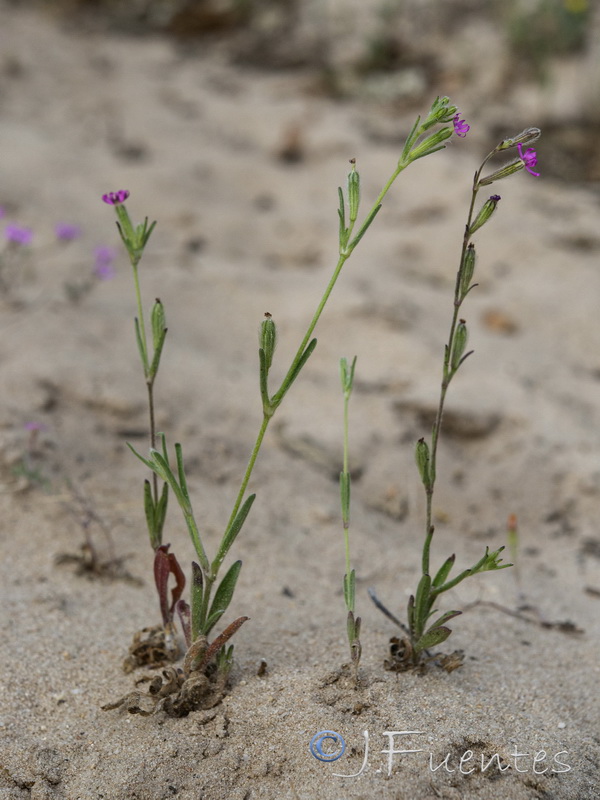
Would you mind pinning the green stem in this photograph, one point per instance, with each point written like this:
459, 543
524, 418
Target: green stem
249, 468
447, 375
138, 296
344, 256
150, 386
205, 604
346, 472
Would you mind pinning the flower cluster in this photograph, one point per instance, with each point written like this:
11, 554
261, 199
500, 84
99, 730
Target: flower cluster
116, 198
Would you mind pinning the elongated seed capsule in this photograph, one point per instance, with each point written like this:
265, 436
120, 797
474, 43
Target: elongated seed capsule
485, 213
353, 191
459, 344
467, 270
268, 338
423, 461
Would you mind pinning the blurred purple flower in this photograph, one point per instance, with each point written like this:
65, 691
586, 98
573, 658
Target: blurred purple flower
460, 126
116, 198
18, 235
66, 231
529, 158
35, 426
103, 265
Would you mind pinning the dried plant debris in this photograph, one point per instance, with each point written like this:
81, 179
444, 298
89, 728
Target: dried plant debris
90, 562
401, 658
174, 693
199, 684
151, 647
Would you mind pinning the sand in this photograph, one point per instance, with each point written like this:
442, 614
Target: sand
242, 230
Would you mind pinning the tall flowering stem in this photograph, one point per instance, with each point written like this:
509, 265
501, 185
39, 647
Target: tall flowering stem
135, 239
424, 634
461, 288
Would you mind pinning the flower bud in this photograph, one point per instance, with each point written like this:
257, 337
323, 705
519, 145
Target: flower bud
347, 374
503, 172
353, 191
431, 144
268, 339
486, 212
440, 113
423, 462
459, 344
467, 269
528, 136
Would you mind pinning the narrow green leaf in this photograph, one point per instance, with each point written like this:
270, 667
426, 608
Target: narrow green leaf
444, 571
197, 595
342, 211
410, 140
145, 461
284, 388
157, 353
141, 347
163, 442
423, 602
148, 231
410, 613
224, 593
161, 511
161, 466
181, 471
150, 515
210, 622
428, 152
364, 228
231, 533
443, 619
432, 638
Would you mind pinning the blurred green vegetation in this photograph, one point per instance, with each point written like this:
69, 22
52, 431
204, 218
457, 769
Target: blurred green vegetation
540, 30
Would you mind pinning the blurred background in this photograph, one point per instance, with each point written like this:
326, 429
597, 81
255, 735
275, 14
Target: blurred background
540, 58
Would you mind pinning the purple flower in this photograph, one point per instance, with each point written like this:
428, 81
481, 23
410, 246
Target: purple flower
35, 426
529, 158
103, 266
18, 235
66, 232
460, 126
116, 198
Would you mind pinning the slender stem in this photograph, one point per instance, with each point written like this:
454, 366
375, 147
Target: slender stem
205, 604
344, 256
150, 386
249, 468
346, 472
447, 374
192, 527
313, 324
145, 365
138, 296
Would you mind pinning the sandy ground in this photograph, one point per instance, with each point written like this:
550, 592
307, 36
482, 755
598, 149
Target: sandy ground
241, 232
